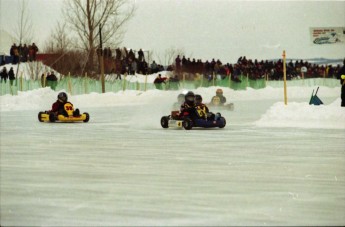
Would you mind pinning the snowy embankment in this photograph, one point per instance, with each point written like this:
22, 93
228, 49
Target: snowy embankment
295, 114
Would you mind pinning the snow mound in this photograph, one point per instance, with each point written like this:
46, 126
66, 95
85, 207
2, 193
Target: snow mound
303, 115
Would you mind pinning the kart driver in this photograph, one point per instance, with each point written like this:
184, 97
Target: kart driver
201, 108
219, 98
59, 106
188, 107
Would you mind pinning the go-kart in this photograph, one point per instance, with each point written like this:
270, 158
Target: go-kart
68, 115
175, 120
216, 103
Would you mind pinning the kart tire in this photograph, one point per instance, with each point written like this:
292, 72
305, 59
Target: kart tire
165, 122
223, 125
187, 124
87, 117
52, 117
40, 116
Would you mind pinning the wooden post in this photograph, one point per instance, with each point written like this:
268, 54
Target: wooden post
284, 70
21, 81
85, 83
69, 83
229, 80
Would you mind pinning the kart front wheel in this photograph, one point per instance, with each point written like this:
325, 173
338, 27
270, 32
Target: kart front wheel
87, 117
187, 124
165, 122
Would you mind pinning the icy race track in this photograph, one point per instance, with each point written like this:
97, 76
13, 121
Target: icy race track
122, 168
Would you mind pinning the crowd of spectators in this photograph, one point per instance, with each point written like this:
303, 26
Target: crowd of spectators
23, 53
4, 75
129, 62
271, 70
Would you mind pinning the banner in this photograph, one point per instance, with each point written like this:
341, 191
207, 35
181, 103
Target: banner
327, 35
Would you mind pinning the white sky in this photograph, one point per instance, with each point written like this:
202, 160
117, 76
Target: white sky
209, 29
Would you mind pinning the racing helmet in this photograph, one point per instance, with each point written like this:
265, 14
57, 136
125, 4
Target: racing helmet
198, 99
219, 92
189, 97
62, 97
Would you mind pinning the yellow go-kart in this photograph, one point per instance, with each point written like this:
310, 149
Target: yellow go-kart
70, 115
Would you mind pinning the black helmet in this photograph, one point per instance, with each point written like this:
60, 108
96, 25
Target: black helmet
198, 99
62, 97
189, 97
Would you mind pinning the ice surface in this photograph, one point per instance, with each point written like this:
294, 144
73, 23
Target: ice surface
271, 165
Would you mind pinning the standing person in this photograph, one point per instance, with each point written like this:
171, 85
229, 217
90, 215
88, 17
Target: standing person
341, 76
51, 80
141, 55
178, 64
4, 75
11, 76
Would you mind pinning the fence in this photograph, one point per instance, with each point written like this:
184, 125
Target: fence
85, 85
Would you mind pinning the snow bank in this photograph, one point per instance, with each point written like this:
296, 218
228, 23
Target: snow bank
304, 115
295, 114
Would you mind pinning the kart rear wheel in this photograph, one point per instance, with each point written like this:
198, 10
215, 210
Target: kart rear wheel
87, 117
165, 122
187, 124
52, 117
223, 125
40, 116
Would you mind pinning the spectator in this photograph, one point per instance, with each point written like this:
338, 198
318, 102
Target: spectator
133, 67
154, 67
52, 80
14, 52
178, 64
11, 76
4, 75
159, 81
33, 49
141, 55
25, 53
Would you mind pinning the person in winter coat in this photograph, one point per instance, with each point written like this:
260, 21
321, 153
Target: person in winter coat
159, 81
11, 76
4, 75
52, 80
341, 77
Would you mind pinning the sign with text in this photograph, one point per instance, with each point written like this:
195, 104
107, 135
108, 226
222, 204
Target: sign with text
327, 35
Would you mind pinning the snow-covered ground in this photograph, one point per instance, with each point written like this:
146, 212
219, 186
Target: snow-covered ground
273, 164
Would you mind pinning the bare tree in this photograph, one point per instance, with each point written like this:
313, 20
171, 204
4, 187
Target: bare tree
23, 30
170, 55
59, 42
85, 17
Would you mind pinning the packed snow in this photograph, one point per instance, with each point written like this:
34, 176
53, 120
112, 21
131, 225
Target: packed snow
273, 164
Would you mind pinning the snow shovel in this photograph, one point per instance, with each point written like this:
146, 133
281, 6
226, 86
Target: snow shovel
314, 100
